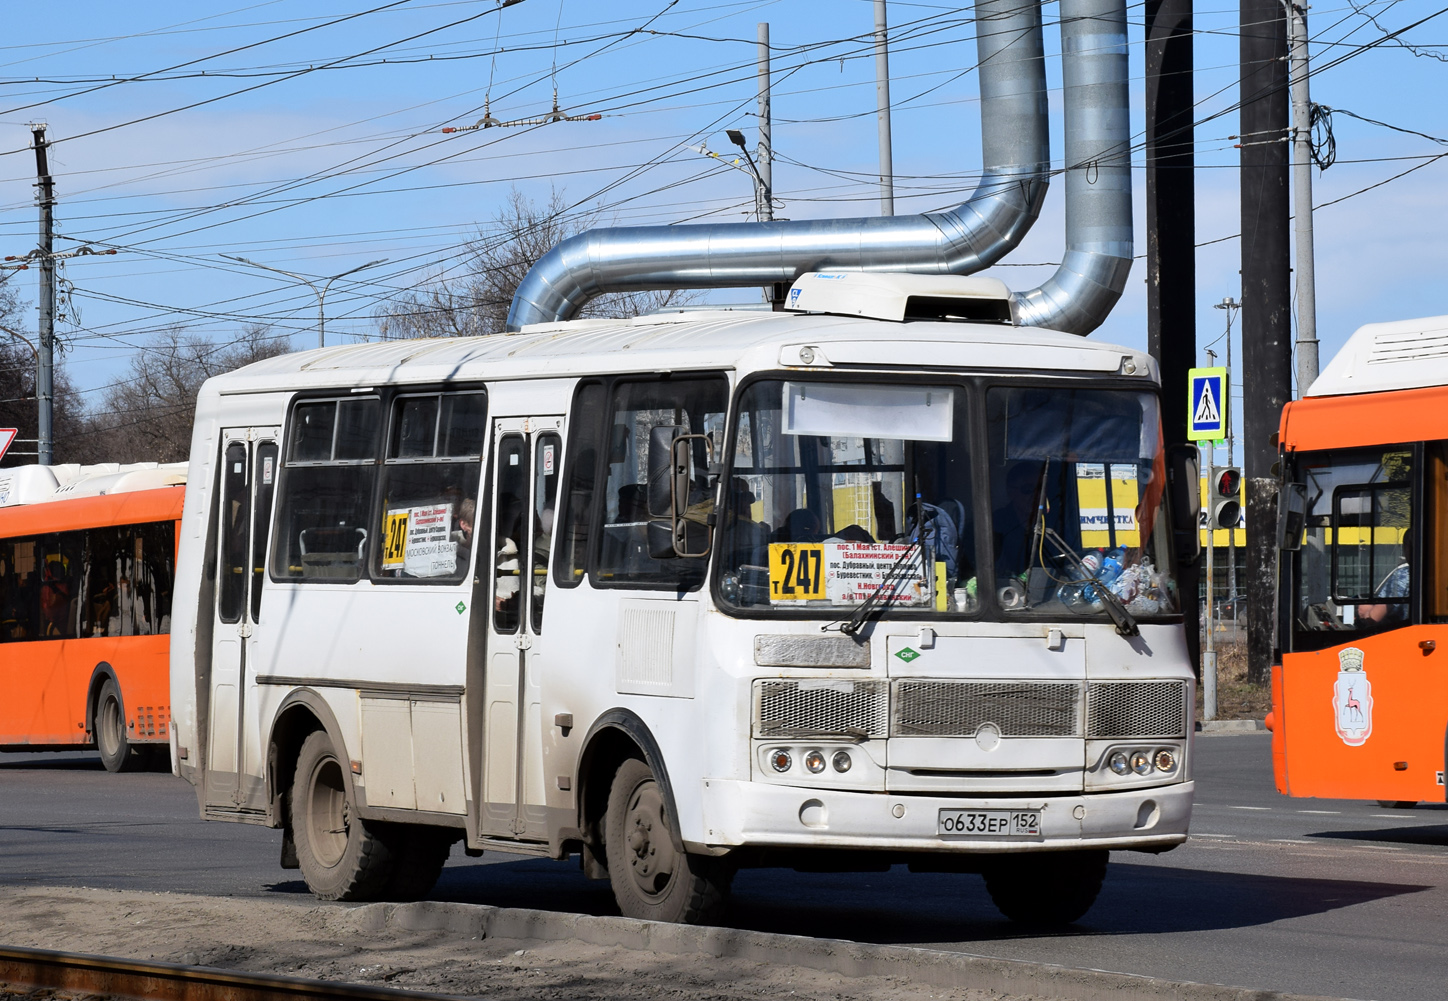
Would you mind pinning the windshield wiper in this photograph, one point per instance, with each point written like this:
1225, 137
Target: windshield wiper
1125, 624
891, 582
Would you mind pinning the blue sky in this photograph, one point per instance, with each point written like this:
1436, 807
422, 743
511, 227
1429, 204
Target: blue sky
322, 151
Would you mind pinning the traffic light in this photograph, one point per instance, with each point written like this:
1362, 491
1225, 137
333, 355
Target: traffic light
1224, 510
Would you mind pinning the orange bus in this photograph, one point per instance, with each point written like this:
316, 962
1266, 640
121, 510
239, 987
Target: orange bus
1360, 701
87, 558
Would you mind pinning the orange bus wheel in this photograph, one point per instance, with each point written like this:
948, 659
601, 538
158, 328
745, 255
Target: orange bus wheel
117, 753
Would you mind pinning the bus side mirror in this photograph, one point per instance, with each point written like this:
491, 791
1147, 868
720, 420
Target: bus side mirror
1184, 479
678, 524
1291, 516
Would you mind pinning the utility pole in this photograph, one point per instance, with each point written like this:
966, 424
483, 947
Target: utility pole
1171, 231
1266, 306
1209, 646
1302, 198
764, 152
320, 293
45, 355
882, 103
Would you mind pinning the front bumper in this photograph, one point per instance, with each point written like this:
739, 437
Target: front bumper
737, 813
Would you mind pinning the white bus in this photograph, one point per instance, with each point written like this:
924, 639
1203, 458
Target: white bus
831, 588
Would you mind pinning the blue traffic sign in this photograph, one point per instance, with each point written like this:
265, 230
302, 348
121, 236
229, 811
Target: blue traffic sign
1207, 404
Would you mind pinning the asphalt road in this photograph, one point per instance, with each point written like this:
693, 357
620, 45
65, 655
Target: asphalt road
1342, 899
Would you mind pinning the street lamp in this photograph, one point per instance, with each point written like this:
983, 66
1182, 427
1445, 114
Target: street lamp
321, 293
763, 197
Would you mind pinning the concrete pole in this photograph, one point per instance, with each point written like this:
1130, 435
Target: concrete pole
1302, 197
45, 355
765, 151
1266, 305
882, 103
1171, 235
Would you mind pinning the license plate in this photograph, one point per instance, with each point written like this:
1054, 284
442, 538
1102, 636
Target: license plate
990, 823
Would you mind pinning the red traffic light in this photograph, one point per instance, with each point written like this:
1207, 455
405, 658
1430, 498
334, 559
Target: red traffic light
1229, 483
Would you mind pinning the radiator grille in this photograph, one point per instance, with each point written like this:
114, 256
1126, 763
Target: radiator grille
1137, 709
807, 707
958, 708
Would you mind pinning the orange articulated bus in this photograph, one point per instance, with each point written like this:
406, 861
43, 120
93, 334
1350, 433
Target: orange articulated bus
1360, 701
87, 559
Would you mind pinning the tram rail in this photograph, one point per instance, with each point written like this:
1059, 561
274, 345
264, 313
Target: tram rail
129, 978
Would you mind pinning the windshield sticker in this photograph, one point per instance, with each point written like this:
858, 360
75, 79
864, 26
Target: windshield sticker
845, 573
417, 541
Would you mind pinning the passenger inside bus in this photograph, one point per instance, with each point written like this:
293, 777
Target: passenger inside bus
1394, 585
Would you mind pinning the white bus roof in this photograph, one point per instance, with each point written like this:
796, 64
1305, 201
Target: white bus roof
1403, 354
689, 340
35, 484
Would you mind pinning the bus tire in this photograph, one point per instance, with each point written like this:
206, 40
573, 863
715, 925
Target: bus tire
1046, 889
117, 753
419, 853
652, 879
341, 856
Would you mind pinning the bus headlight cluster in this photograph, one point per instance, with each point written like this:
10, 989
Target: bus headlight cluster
1143, 761
815, 761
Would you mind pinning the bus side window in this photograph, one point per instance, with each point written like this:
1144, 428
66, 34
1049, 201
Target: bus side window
101, 615
697, 405
20, 610
61, 562
575, 516
325, 494
1435, 546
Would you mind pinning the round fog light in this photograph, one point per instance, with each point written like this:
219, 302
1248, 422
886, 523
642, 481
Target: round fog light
1165, 760
1140, 762
815, 762
1120, 764
780, 760
842, 761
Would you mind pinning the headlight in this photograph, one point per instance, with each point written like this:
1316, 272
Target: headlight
1140, 762
1165, 760
780, 760
815, 762
1120, 763
842, 761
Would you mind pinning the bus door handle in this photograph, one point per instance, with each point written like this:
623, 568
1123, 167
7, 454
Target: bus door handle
522, 640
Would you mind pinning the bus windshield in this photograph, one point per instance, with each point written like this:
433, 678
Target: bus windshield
840, 490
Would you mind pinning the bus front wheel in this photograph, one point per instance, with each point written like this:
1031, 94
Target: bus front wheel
653, 878
340, 856
1046, 889
117, 753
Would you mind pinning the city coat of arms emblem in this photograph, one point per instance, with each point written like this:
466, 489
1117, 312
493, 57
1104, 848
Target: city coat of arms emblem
1352, 698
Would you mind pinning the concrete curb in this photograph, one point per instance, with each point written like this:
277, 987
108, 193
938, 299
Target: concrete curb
1221, 726
847, 959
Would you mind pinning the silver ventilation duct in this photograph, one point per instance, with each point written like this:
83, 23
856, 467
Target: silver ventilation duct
1098, 174
1015, 147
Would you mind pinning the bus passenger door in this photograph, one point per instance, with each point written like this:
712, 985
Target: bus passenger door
247, 486
527, 458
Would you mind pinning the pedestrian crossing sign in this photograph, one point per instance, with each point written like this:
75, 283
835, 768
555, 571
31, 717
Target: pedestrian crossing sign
1207, 404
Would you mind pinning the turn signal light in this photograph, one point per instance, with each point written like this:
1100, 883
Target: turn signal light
780, 760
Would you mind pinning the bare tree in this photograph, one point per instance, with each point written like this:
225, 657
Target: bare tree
147, 415
17, 390
475, 301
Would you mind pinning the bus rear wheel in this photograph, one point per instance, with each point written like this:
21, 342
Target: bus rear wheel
340, 855
117, 753
1046, 889
653, 878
